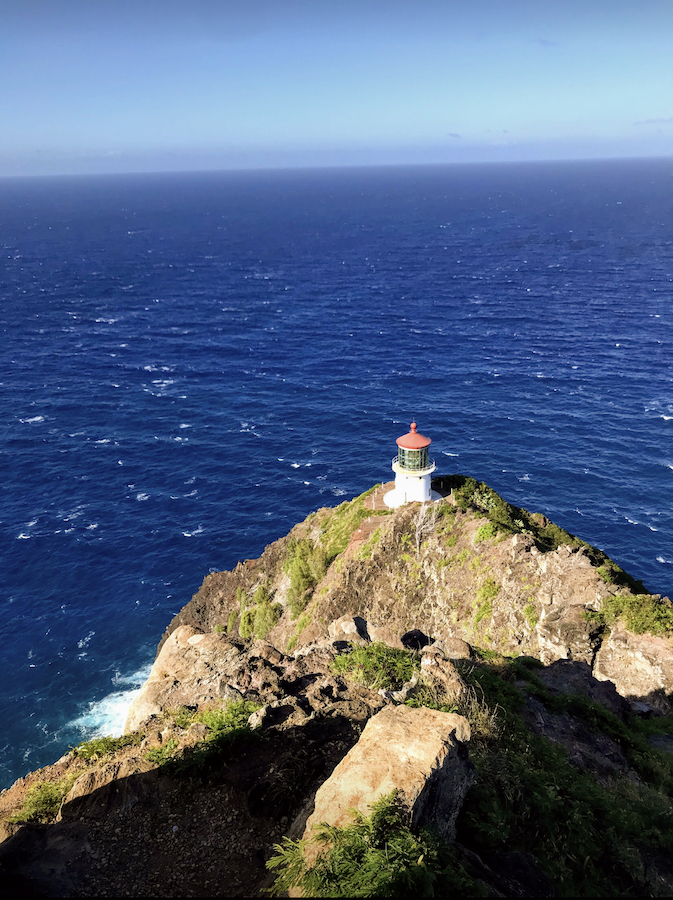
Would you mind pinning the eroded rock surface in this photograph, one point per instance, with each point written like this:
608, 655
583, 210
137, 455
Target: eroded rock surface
419, 752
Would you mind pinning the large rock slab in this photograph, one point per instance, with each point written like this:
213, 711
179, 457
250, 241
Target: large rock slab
640, 666
419, 752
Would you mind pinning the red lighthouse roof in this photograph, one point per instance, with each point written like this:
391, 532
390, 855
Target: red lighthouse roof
413, 440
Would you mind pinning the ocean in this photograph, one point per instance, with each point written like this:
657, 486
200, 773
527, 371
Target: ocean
192, 363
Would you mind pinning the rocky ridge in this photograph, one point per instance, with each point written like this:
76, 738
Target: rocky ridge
183, 809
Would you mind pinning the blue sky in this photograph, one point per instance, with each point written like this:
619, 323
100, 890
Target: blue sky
152, 85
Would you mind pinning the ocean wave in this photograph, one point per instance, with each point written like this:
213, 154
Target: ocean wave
106, 717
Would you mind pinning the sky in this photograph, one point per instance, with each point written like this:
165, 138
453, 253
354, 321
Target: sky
97, 86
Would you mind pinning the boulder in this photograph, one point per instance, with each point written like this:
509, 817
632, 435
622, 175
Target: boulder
188, 670
349, 628
640, 666
421, 753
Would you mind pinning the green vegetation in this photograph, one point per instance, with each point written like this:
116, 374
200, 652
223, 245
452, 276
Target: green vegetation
485, 609
376, 856
488, 591
227, 730
231, 622
161, 755
485, 532
591, 839
377, 666
306, 563
103, 747
259, 618
43, 801
530, 612
470, 494
640, 613
222, 722
368, 547
340, 525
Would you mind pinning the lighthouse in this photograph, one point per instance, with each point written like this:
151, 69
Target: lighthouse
412, 467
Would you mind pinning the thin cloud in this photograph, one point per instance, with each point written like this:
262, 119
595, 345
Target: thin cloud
665, 121
453, 134
545, 42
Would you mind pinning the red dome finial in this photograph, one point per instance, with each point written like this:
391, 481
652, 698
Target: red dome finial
413, 426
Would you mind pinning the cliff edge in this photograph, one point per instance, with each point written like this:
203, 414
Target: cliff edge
308, 682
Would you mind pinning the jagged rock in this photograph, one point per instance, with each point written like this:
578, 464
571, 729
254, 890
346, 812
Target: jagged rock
439, 673
640, 666
564, 633
419, 752
575, 677
189, 670
587, 750
454, 648
384, 634
110, 786
349, 628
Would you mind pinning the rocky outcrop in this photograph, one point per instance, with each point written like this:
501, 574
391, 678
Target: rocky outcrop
322, 743
420, 753
465, 582
640, 666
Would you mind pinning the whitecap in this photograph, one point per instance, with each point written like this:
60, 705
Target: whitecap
142, 496
106, 717
446, 453
295, 465
668, 562
183, 425
32, 421
198, 530
23, 537
92, 526
85, 640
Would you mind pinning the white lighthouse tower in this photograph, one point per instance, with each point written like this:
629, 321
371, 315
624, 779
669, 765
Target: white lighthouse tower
412, 467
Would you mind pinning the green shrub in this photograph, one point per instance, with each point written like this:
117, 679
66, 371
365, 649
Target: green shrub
161, 755
377, 666
218, 629
488, 591
43, 801
640, 613
101, 747
247, 625
484, 609
376, 856
266, 616
485, 532
305, 564
231, 622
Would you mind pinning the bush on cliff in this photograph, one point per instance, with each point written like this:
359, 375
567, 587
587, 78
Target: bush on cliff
43, 801
376, 856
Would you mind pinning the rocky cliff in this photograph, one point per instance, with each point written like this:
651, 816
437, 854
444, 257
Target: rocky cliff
507, 684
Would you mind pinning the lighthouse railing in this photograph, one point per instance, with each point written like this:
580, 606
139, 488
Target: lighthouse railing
427, 464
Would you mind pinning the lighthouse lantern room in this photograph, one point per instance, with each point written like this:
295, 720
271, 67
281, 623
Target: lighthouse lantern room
412, 467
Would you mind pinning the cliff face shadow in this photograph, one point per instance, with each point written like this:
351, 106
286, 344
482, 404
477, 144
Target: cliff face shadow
203, 826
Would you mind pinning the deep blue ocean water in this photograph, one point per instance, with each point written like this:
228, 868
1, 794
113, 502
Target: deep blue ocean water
192, 363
